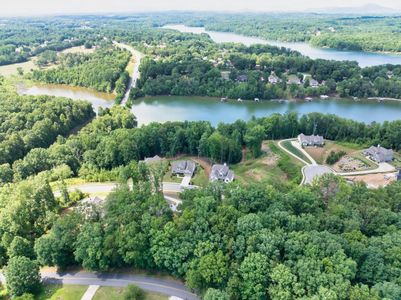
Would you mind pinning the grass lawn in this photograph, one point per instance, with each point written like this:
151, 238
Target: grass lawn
60, 292
115, 293
168, 177
200, 178
287, 145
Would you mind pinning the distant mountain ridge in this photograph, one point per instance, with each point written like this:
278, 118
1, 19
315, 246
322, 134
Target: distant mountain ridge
368, 9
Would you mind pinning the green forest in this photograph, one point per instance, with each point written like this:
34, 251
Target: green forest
99, 71
351, 32
28, 122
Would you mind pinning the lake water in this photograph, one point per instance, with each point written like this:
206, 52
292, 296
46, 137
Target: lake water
76, 93
363, 58
175, 108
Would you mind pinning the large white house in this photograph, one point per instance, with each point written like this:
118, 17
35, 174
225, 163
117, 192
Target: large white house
310, 140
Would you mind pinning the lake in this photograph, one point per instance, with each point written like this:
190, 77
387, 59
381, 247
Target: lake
365, 59
175, 108
76, 93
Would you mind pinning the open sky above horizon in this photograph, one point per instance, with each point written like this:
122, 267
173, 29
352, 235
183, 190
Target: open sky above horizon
50, 7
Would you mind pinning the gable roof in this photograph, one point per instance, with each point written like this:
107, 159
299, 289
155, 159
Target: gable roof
185, 167
221, 172
311, 139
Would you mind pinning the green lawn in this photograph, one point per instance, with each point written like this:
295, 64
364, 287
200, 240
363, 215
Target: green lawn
115, 293
60, 292
200, 178
287, 145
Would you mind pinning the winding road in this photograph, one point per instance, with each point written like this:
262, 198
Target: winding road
149, 283
312, 169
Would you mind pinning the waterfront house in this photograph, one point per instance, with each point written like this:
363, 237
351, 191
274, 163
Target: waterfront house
310, 140
313, 83
221, 173
183, 168
379, 154
273, 78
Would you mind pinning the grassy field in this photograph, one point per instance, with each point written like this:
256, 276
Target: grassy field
288, 145
273, 166
115, 293
60, 292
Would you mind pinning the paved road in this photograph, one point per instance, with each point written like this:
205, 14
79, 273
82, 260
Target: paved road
137, 57
290, 153
149, 283
107, 187
310, 172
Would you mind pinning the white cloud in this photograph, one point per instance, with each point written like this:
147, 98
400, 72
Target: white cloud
40, 7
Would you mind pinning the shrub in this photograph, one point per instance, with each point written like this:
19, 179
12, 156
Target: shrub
133, 292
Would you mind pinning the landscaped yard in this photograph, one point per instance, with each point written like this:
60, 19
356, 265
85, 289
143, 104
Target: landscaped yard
115, 293
60, 292
320, 154
200, 177
288, 145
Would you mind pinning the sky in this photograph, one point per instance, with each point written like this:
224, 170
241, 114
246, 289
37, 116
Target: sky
52, 7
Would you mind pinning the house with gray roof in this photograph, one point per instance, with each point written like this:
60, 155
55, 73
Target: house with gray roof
221, 173
183, 168
379, 154
313, 83
310, 140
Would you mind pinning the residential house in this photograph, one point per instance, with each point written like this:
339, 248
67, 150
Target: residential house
379, 154
310, 140
221, 173
273, 78
293, 79
183, 168
313, 83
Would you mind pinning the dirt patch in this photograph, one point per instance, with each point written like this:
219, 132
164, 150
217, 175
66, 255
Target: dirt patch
350, 164
270, 160
373, 180
317, 153
255, 174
